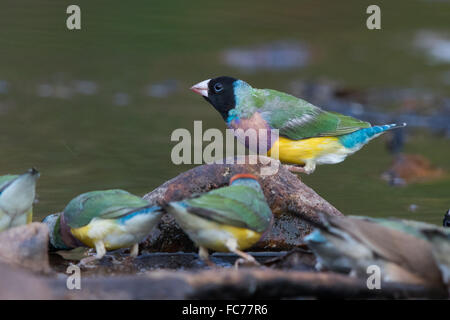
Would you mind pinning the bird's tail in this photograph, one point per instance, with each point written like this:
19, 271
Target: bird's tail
362, 136
392, 126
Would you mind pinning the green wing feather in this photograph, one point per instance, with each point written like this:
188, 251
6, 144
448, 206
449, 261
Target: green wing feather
298, 119
108, 204
239, 206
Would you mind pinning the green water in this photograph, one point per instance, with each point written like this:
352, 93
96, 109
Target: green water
86, 142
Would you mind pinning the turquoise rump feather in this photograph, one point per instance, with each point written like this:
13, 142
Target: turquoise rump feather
363, 136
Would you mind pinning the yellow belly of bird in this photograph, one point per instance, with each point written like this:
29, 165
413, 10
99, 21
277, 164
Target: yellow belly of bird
30, 216
108, 227
300, 151
245, 238
213, 235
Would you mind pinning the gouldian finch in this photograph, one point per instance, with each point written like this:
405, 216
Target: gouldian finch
104, 220
307, 135
405, 251
17, 193
231, 218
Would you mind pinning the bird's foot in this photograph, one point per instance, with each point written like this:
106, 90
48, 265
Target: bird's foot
210, 264
204, 256
246, 263
116, 260
245, 260
134, 250
295, 168
88, 262
308, 168
128, 260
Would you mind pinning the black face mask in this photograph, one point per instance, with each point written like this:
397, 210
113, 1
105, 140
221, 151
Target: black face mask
221, 95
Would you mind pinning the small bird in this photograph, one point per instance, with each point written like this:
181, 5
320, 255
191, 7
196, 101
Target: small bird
446, 222
307, 134
104, 220
230, 219
405, 251
17, 193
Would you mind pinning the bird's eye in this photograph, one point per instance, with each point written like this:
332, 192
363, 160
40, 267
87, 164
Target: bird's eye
218, 87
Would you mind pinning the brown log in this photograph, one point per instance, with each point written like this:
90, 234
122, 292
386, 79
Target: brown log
219, 283
238, 284
275, 284
288, 197
26, 247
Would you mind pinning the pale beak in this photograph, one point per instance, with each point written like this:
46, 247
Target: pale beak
201, 88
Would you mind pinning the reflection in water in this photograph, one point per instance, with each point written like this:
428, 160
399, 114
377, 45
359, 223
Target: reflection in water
163, 89
4, 87
436, 46
280, 55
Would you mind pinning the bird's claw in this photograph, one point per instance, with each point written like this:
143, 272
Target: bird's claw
88, 262
295, 168
209, 263
242, 262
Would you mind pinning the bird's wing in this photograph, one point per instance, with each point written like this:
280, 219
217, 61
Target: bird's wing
298, 119
238, 206
417, 229
398, 247
111, 204
6, 180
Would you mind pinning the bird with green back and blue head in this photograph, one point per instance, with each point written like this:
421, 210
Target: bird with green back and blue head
104, 220
307, 135
17, 195
228, 219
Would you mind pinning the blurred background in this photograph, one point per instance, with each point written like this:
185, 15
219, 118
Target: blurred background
95, 108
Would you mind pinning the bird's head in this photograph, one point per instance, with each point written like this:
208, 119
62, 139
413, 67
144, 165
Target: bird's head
222, 93
53, 223
50, 220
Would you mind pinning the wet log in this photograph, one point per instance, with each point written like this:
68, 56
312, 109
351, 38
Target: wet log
237, 284
26, 247
217, 283
275, 284
16, 283
288, 197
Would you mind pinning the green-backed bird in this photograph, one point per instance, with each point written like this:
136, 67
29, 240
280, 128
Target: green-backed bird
405, 251
104, 220
17, 193
231, 218
307, 135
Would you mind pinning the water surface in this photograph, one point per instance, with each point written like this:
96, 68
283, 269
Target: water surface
82, 106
